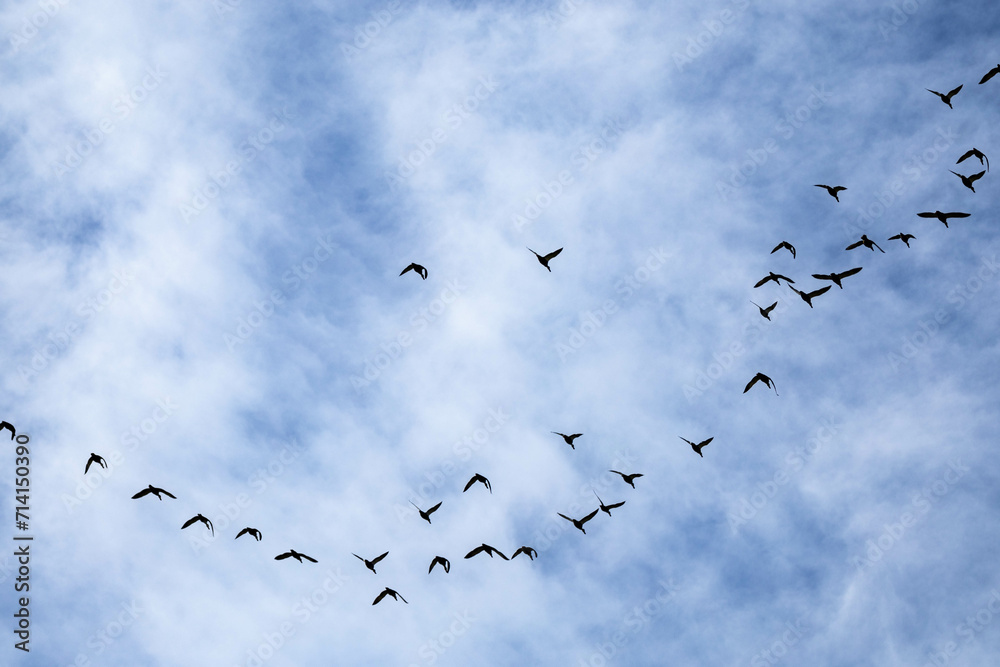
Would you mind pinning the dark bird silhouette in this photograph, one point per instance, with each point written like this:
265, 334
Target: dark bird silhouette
834, 191
545, 260
487, 549
943, 217
808, 296
607, 508
416, 267
94, 458
426, 515
155, 491
629, 479
9, 426
866, 242
527, 551
370, 564
975, 152
252, 532
760, 377
478, 478
199, 517
697, 448
989, 75
292, 553
905, 238
442, 561
784, 244
766, 312
776, 277
836, 277
579, 522
945, 98
388, 591
967, 181
569, 438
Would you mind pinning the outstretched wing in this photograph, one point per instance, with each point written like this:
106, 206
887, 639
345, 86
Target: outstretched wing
857, 244
380, 558
762, 281
705, 442
614, 505
189, 522
589, 516
751, 383
475, 551
952, 92
552, 254
10, 426
242, 532
433, 509
956, 215
822, 276
309, 558
378, 598
989, 75
566, 517
167, 493
142, 493
928, 214
818, 292
411, 267
470, 483
975, 177
287, 554
850, 272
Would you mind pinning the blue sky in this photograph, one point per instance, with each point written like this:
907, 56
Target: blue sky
205, 208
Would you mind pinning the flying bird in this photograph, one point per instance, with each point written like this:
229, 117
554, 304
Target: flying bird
388, 591
834, 191
760, 377
784, 244
252, 532
866, 242
370, 564
808, 296
9, 426
417, 268
94, 458
943, 217
836, 277
155, 491
426, 515
545, 260
905, 238
607, 508
292, 553
967, 181
527, 551
945, 98
442, 561
697, 448
629, 479
989, 75
199, 517
578, 523
487, 549
478, 478
975, 152
569, 438
776, 277
766, 312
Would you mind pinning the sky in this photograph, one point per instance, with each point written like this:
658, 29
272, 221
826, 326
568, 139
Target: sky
205, 207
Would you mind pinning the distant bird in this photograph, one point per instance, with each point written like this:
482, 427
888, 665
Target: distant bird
155, 491
697, 448
975, 152
967, 181
370, 564
866, 242
569, 438
10, 426
834, 191
416, 267
527, 551
760, 377
442, 561
426, 515
808, 296
943, 217
388, 591
989, 75
945, 98
837, 277
776, 277
545, 260
607, 508
578, 523
292, 553
905, 238
487, 549
252, 532
94, 458
784, 244
478, 478
766, 312
629, 479
199, 517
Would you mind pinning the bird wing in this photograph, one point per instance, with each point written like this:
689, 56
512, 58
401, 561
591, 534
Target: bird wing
589, 516
822, 186
475, 551
897, 236
309, 558
850, 272
141, 493
839, 188
167, 493
189, 522
957, 215
771, 307
967, 155
686, 440
552, 254
611, 507
379, 597
989, 75
818, 292
934, 91
822, 276
8, 425
575, 436
433, 509
785, 278
952, 92
283, 556
471, 482
750, 384
566, 517
409, 268
87, 467
380, 558
762, 281
242, 532
433, 563
975, 177
401, 598
705, 442
928, 214
856, 244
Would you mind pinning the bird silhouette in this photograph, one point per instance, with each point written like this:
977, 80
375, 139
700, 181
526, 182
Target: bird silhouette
487, 549
784, 244
766, 312
975, 152
989, 75
808, 296
866, 242
943, 217
578, 523
834, 190
607, 508
945, 98
545, 260
478, 478
8, 425
967, 181
155, 491
426, 515
527, 551
388, 591
760, 377
629, 479
697, 448
292, 553
421, 271
776, 277
199, 517
836, 277
94, 458
370, 564
252, 532
905, 238
442, 561
569, 438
